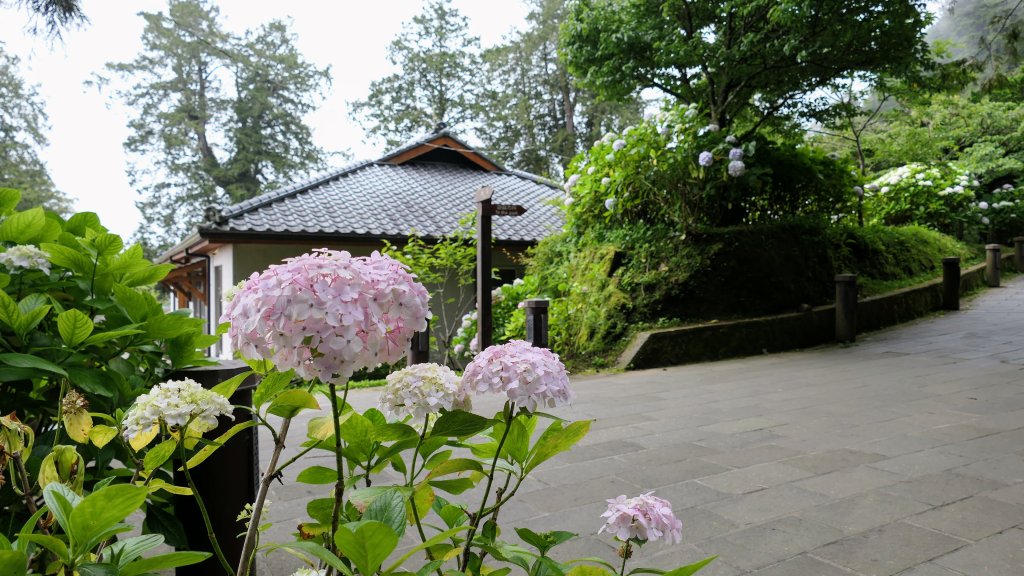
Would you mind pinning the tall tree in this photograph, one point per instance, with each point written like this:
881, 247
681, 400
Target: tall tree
51, 16
218, 117
986, 33
740, 56
22, 135
437, 81
535, 117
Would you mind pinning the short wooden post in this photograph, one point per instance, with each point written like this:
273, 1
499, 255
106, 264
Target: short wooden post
846, 307
1018, 253
951, 283
993, 255
537, 322
419, 348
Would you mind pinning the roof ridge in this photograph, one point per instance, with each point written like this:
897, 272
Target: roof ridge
272, 196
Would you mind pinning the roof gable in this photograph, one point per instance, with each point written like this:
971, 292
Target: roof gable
443, 148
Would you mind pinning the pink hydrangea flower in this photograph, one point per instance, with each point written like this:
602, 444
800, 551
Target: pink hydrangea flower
328, 314
646, 518
530, 377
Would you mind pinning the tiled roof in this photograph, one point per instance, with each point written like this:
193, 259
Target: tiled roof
380, 199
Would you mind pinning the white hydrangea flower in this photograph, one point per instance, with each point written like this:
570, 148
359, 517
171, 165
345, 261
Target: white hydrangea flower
983, 205
176, 403
618, 144
606, 181
26, 257
609, 204
592, 169
422, 389
309, 572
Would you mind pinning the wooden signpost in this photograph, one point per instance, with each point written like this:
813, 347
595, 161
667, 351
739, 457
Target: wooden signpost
485, 209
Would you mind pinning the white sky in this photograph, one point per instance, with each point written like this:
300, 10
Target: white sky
85, 158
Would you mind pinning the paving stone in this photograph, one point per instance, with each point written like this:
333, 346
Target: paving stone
676, 556
753, 455
1005, 469
863, 511
578, 494
930, 569
689, 494
999, 555
668, 453
754, 478
1013, 494
888, 550
600, 450
921, 463
973, 518
700, 525
771, 542
942, 487
743, 425
759, 507
832, 460
672, 473
553, 475
849, 481
802, 565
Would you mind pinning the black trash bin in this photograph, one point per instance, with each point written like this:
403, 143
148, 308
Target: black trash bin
227, 481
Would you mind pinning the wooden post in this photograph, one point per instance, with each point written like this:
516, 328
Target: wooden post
1018, 253
993, 255
537, 322
419, 348
484, 323
846, 307
951, 283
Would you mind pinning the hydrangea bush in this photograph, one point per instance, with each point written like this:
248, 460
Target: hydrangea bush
939, 196
999, 214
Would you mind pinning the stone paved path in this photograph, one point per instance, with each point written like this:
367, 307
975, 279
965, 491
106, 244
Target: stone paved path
902, 454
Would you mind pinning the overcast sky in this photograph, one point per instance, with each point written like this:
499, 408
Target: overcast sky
85, 157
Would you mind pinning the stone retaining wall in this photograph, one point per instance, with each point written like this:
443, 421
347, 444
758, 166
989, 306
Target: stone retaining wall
729, 339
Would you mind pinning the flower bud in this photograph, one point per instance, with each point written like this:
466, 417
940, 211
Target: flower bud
64, 465
75, 414
16, 438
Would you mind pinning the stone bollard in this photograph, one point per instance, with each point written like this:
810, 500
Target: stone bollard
1018, 253
846, 307
993, 256
951, 283
227, 482
419, 348
537, 322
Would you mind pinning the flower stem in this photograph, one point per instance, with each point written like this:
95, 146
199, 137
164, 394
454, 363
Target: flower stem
257, 507
411, 481
26, 488
339, 461
627, 551
202, 508
475, 520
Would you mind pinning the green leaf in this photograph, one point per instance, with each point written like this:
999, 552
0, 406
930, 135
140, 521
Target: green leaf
101, 435
455, 465
270, 386
55, 545
163, 562
317, 551
159, 454
459, 423
29, 319
94, 569
92, 380
107, 244
545, 540
137, 305
9, 198
208, 450
317, 475
147, 276
555, 440
166, 326
393, 432
69, 258
101, 337
432, 541
22, 227
291, 402
102, 510
83, 221
9, 313
13, 563
131, 548
320, 509
228, 387
74, 327
61, 501
517, 445
691, 569
389, 509
357, 430
454, 486
368, 546
28, 361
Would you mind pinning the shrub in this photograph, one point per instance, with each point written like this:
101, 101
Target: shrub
939, 196
79, 324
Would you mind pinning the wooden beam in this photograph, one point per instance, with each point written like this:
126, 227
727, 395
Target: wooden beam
444, 142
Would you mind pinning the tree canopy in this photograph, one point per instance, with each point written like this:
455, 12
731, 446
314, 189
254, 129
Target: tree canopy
51, 16
437, 81
22, 134
739, 56
218, 117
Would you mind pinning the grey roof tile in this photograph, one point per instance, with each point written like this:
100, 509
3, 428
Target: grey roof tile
379, 199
